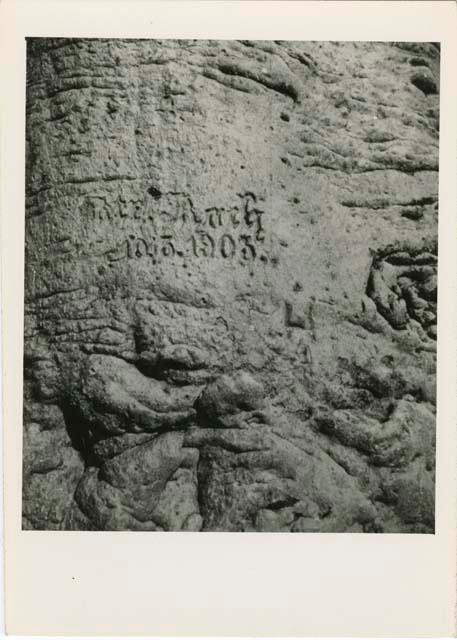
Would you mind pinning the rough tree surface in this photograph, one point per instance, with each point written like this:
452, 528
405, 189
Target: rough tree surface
230, 309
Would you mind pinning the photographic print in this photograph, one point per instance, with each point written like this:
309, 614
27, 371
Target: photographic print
230, 285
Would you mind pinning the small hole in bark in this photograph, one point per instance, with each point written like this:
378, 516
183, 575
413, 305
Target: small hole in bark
155, 193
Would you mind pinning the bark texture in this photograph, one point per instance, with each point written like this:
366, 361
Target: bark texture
230, 313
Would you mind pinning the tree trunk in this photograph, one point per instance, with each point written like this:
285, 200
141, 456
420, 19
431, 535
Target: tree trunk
230, 311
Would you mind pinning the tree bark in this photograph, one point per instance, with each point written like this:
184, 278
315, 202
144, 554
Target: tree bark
230, 285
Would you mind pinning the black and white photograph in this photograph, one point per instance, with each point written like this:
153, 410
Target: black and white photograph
230, 306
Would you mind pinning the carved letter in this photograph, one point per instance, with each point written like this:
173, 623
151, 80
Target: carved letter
206, 248
228, 247
215, 218
141, 248
235, 217
248, 250
168, 249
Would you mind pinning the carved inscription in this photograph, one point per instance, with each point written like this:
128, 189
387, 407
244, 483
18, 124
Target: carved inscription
201, 245
172, 227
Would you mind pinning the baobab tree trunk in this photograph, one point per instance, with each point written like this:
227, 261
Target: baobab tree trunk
230, 311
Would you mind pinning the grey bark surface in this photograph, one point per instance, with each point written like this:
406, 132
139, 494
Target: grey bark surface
230, 285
